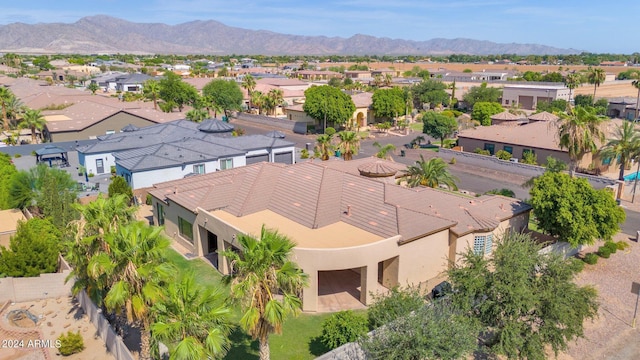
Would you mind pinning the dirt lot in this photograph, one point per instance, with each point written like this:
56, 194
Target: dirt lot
22, 340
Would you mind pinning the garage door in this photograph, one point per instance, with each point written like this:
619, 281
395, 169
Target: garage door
526, 102
284, 158
257, 158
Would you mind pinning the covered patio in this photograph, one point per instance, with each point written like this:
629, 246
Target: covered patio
53, 156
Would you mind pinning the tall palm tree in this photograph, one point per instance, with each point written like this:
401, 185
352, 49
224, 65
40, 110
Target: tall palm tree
136, 269
624, 145
349, 144
193, 320
636, 84
15, 110
596, 76
151, 90
572, 81
384, 150
430, 173
266, 283
197, 115
578, 132
5, 97
33, 120
249, 84
258, 99
324, 146
275, 98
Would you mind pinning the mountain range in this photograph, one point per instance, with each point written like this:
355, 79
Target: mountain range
102, 34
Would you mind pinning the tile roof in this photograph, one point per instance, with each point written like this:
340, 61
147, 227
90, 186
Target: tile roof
316, 196
536, 134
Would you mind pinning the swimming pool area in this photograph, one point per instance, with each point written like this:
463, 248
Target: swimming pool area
631, 176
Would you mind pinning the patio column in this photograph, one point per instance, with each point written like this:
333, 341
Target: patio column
368, 281
310, 293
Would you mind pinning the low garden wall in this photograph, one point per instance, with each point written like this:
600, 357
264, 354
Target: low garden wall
45, 286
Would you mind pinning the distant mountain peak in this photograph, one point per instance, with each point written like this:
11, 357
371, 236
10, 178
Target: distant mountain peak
107, 34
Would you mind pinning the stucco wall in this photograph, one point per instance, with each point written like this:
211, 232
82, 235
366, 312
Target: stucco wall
111, 123
142, 179
171, 213
424, 259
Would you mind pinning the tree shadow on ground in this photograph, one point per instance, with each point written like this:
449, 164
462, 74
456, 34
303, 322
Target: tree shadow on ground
316, 347
242, 346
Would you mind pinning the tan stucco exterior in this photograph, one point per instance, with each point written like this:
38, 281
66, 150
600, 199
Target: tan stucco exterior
9, 224
114, 122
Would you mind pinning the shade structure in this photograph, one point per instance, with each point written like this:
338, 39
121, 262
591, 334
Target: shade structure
275, 134
215, 126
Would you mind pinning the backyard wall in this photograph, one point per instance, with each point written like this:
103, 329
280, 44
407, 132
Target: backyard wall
297, 127
45, 286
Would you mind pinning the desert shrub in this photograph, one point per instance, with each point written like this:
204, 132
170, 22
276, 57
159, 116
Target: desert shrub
304, 154
612, 246
591, 258
343, 327
622, 245
33, 153
148, 200
452, 161
482, 152
71, 343
398, 302
529, 158
120, 186
577, 265
604, 252
503, 192
17, 156
503, 155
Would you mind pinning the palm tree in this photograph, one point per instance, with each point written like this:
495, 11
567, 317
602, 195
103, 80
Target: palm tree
636, 84
349, 144
5, 97
624, 146
33, 120
324, 146
249, 83
197, 115
262, 273
388, 79
193, 320
432, 173
572, 81
136, 270
151, 90
596, 76
383, 151
578, 132
15, 110
274, 99
258, 99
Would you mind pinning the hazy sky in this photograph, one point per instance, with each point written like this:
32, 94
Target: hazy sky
595, 26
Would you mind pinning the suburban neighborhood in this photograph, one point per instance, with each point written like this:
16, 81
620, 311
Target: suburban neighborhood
256, 206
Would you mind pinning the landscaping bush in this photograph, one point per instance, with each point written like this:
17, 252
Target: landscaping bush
578, 265
503, 155
604, 252
452, 161
71, 343
343, 327
17, 156
304, 154
622, 245
33, 153
148, 199
481, 152
612, 246
591, 258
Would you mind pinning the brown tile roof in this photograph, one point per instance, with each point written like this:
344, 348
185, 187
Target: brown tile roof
543, 116
537, 135
505, 116
317, 195
362, 100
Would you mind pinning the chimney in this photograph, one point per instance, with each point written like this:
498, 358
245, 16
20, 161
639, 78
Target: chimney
175, 190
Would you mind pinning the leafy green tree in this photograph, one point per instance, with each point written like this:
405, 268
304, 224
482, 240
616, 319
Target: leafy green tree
388, 103
327, 104
482, 111
349, 144
7, 169
193, 320
151, 91
624, 146
596, 76
33, 250
259, 272
525, 300
136, 269
120, 186
432, 173
335, 82
552, 77
482, 93
34, 121
572, 210
177, 92
554, 106
429, 91
578, 132
384, 150
399, 302
429, 332
224, 94
93, 87
343, 327
438, 125
583, 100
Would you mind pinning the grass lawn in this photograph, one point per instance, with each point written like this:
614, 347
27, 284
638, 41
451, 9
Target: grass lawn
416, 126
297, 340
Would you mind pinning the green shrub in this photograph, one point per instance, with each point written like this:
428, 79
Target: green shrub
343, 327
503, 155
604, 252
591, 258
120, 186
482, 152
612, 246
33, 153
148, 200
113, 169
17, 156
91, 175
577, 265
452, 161
398, 302
71, 343
622, 245
304, 154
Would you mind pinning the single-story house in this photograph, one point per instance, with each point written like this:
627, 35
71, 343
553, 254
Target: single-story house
527, 96
162, 152
345, 217
362, 116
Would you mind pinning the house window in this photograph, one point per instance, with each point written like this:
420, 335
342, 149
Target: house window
482, 244
490, 147
198, 169
186, 229
506, 102
160, 214
509, 149
226, 164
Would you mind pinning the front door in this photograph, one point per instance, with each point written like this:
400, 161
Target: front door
212, 242
99, 166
